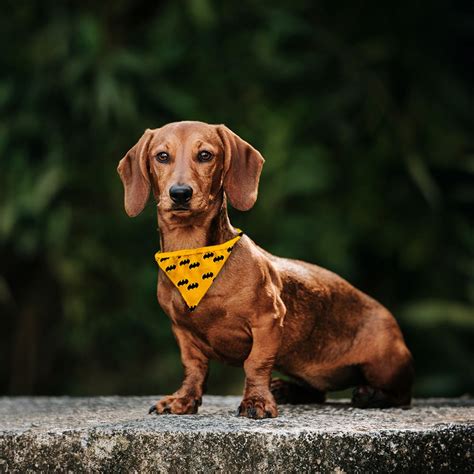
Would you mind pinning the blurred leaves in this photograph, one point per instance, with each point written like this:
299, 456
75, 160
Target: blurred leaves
435, 313
363, 113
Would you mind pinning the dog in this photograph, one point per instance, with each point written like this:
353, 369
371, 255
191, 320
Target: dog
262, 312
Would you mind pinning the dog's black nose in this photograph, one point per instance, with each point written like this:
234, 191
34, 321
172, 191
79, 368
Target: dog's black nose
181, 193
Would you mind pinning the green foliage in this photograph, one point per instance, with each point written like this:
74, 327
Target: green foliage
363, 113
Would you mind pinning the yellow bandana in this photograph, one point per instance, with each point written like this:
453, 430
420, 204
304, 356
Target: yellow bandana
193, 271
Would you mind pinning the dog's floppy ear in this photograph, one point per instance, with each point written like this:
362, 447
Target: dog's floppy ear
134, 174
242, 168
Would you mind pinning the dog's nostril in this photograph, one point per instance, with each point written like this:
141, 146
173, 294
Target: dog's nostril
181, 193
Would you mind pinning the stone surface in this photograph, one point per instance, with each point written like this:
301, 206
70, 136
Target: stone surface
115, 433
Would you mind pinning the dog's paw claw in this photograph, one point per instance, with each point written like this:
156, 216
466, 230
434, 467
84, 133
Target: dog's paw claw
251, 412
176, 405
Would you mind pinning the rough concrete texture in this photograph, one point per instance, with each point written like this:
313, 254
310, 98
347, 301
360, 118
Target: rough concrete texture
116, 434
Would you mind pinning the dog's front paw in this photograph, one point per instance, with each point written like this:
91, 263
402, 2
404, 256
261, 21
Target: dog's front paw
258, 407
176, 405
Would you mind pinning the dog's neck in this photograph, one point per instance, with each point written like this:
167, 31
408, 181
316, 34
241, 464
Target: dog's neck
189, 232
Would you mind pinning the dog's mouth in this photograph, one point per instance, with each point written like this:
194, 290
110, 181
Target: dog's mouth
180, 209
183, 208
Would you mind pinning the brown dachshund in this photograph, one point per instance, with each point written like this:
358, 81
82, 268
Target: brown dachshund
263, 312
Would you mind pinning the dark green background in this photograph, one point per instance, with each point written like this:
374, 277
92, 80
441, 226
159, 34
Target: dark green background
363, 111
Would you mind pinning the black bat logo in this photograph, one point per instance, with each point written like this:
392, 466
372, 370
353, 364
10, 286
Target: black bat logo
184, 262
192, 286
230, 249
192, 308
194, 265
207, 275
208, 255
183, 282
170, 267
220, 257
163, 259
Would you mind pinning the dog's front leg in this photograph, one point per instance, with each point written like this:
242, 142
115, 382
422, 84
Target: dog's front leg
258, 401
187, 399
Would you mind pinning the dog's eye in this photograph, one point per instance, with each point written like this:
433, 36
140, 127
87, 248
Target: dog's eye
163, 157
204, 155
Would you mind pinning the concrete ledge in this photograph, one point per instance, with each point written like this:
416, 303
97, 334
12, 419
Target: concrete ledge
116, 434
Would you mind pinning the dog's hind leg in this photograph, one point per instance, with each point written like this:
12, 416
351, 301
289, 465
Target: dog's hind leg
388, 380
294, 393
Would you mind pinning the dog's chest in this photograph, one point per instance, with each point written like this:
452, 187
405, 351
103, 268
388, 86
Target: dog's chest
223, 338
221, 320
220, 330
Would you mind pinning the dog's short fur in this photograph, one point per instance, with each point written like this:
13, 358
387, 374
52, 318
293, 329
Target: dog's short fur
263, 312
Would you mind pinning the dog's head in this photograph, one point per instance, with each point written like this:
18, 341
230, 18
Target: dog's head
188, 165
